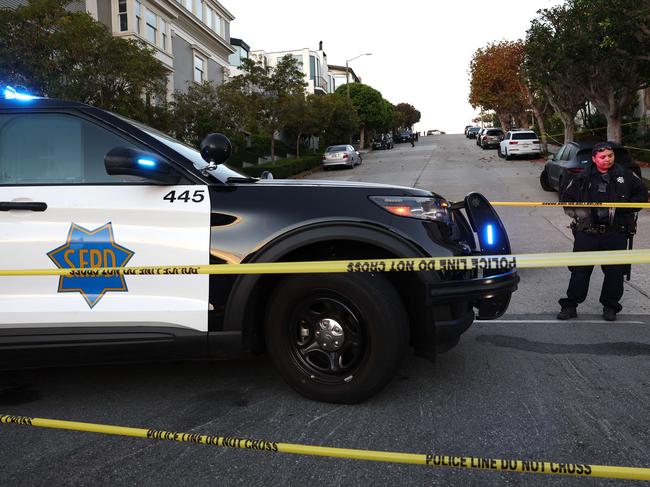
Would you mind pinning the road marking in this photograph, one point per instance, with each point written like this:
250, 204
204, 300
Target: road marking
563, 321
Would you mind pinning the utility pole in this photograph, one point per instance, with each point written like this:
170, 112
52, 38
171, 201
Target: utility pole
347, 70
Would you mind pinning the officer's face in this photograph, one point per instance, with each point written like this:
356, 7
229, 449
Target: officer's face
604, 160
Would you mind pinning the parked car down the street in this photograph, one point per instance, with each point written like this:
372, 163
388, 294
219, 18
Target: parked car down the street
572, 158
382, 141
472, 132
341, 155
490, 138
519, 143
404, 136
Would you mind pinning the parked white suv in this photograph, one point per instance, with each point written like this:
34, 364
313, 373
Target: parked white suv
519, 143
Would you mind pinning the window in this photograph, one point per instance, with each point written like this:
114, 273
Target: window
122, 15
150, 30
188, 5
199, 69
198, 9
138, 16
71, 150
298, 61
312, 67
524, 136
217, 24
163, 34
209, 17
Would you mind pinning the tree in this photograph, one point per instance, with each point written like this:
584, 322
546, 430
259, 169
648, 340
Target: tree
335, 117
268, 89
410, 115
207, 108
612, 46
299, 120
551, 65
494, 81
53, 52
369, 105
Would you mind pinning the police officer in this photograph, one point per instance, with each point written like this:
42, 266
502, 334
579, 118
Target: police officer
601, 228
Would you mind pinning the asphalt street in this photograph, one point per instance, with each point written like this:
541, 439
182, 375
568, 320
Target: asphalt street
525, 386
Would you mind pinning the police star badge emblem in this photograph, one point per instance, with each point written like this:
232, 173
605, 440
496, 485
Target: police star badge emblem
620, 180
88, 249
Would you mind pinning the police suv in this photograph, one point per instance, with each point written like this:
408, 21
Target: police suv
82, 188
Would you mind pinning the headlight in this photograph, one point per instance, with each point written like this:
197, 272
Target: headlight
436, 209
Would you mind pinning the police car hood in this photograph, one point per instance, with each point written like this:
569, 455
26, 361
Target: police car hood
344, 184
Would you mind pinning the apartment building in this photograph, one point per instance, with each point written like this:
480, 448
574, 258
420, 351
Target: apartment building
312, 63
190, 37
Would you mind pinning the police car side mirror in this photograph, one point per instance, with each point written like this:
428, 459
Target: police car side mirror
124, 161
215, 149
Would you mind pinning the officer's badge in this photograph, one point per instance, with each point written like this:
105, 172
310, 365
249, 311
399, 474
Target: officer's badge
620, 180
88, 249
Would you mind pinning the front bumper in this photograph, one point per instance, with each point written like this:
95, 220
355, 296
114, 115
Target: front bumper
489, 295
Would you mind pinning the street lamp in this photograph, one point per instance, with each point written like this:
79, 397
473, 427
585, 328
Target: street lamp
347, 70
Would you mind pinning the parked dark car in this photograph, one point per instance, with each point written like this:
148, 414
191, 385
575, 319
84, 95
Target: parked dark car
404, 136
572, 158
472, 132
479, 134
82, 188
382, 141
490, 138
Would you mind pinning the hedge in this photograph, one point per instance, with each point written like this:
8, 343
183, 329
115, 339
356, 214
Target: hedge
284, 168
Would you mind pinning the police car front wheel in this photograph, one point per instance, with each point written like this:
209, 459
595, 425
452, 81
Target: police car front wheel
336, 338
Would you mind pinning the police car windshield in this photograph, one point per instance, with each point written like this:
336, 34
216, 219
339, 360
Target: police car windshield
222, 172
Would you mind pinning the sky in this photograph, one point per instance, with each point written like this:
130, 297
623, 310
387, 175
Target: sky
421, 49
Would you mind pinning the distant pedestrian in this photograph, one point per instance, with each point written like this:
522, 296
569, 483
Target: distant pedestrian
601, 228
412, 139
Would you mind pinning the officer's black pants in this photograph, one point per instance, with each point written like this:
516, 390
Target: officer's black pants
612, 290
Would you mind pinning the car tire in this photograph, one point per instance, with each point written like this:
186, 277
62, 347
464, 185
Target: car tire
506, 156
499, 153
364, 312
543, 181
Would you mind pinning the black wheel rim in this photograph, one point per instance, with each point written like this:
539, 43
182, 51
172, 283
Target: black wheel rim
327, 339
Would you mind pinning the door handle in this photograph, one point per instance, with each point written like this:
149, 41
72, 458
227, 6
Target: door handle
23, 205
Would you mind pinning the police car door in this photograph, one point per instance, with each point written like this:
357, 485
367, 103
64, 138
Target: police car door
61, 209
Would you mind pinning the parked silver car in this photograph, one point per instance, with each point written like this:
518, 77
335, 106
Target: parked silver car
341, 155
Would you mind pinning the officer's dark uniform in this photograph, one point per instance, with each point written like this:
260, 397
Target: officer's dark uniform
601, 229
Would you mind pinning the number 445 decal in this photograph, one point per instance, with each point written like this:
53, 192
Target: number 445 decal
185, 197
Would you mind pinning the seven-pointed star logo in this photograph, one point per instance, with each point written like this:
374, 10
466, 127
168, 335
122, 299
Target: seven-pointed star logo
86, 249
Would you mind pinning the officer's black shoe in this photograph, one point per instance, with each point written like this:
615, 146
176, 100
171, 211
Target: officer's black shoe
609, 314
566, 313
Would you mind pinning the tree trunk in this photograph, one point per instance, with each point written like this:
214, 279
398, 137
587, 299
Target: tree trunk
614, 127
569, 126
298, 144
542, 128
362, 137
272, 146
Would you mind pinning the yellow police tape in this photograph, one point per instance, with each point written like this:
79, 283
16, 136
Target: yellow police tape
462, 263
429, 459
569, 205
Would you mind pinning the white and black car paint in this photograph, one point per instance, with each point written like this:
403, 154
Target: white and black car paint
82, 187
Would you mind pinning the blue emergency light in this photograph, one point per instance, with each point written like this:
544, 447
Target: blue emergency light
10, 93
147, 162
489, 234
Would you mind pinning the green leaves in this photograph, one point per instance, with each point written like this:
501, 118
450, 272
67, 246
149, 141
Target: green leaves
63, 54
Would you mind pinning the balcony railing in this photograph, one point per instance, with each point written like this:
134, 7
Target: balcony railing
320, 83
